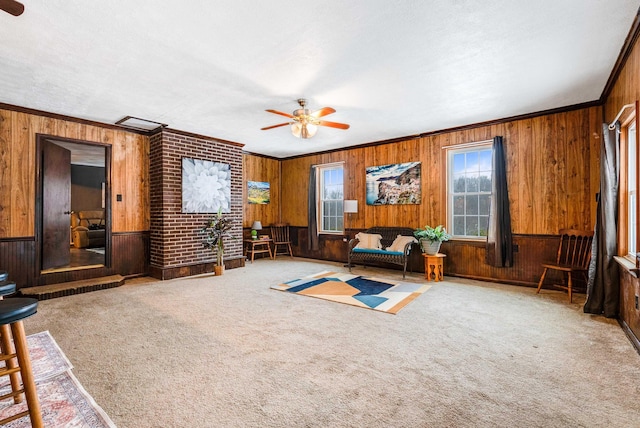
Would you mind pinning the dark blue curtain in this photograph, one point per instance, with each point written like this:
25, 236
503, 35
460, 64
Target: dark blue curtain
313, 218
499, 247
603, 286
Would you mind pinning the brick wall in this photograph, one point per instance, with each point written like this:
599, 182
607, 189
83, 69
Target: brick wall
175, 238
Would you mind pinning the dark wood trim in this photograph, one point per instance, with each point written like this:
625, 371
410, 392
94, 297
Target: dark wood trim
496, 280
27, 110
40, 139
557, 110
19, 239
632, 337
623, 56
199, 136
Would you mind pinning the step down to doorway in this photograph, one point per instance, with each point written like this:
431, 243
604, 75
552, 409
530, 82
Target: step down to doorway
51, 291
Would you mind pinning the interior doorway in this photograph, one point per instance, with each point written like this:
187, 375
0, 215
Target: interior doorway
73, 229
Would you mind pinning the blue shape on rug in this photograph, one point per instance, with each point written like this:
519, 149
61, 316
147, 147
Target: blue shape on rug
306, 285
370, 301
368, 286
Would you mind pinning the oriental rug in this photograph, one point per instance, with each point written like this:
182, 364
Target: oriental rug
63, 400
383, 295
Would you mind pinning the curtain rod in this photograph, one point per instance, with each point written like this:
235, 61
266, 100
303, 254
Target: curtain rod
612, 125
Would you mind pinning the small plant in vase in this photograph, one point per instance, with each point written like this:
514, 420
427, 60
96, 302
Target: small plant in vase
431, 238
215, 230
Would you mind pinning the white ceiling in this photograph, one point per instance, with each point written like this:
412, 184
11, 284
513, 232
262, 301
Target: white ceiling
390, 68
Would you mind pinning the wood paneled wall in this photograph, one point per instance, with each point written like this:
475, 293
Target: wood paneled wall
552, 167
129, 175
626, 90
259, 168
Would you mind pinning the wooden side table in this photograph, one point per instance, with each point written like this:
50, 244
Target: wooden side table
257, 246
434, 266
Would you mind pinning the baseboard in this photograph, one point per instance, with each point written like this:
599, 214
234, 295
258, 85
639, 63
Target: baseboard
632, 337
172, 272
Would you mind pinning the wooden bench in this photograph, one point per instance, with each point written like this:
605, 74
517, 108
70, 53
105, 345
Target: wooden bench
371, 256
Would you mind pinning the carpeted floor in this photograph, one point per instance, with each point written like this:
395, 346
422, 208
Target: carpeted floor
229, 351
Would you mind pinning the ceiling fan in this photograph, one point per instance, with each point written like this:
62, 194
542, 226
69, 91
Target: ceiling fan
304, 123
12, 7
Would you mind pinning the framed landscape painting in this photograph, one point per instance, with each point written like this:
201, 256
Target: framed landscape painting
206, 186
258, 192
394, 184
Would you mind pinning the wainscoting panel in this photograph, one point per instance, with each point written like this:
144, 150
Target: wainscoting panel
17, 257
464, 259
130, 255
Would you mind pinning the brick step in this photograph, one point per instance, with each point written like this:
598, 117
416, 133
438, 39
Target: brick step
51, 291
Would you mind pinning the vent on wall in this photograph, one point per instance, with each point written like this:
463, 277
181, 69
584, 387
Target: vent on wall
140, 124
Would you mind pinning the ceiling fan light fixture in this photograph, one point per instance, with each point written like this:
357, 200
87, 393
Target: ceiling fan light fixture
303, 130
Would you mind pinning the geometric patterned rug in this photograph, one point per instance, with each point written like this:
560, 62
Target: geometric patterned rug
366, 292
63, 401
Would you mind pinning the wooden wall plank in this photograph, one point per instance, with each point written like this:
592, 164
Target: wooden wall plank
258, 168
17, 151
546, 187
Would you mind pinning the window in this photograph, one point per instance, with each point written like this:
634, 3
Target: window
469, 190
631, 188
330, 179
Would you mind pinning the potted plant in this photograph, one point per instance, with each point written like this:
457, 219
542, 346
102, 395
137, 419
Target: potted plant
431, 238
215, 230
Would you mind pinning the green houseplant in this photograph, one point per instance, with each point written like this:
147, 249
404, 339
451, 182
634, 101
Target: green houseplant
431, 238
215, 230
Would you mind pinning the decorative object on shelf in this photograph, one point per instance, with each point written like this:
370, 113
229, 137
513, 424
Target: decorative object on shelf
394, 184
431, 238
215, 230
255, 227
206, 186
258, 192
350, 206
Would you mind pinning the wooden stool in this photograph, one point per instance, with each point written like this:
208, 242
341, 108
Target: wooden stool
12, 312
434, 266
8, 288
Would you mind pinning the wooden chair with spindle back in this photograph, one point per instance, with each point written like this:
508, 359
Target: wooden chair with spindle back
280, 237
574, 255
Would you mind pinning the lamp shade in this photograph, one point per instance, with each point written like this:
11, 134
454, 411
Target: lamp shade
303, 130
350, 206
256, 225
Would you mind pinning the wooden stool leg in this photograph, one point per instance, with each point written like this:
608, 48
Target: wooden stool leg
28, 382
569, 284
7, 349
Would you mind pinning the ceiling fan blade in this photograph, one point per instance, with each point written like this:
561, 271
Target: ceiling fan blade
12, 7
280, 113
333, 124
274, 126
323, 112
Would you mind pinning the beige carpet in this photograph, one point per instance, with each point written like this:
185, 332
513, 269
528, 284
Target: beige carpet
231, 352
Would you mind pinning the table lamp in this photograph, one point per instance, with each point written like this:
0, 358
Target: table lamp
255, 227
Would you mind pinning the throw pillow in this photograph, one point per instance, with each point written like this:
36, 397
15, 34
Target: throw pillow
369, 241
400, 241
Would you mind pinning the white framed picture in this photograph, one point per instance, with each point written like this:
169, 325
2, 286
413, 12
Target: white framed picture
206, 186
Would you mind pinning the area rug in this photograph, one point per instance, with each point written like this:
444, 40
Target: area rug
366, 292
63, 400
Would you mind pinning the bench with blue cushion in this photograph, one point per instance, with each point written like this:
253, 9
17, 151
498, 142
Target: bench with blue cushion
369, 256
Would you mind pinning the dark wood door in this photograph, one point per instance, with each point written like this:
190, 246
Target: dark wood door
56, 206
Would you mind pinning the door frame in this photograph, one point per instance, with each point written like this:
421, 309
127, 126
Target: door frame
40, 139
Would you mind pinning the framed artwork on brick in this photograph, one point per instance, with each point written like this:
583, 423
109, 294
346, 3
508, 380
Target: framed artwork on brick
206, 186
258, 192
